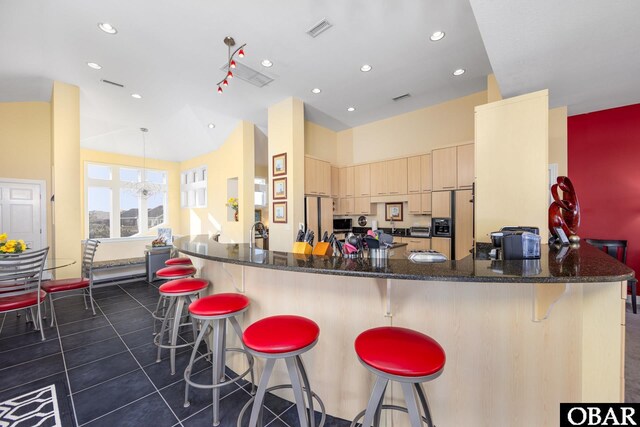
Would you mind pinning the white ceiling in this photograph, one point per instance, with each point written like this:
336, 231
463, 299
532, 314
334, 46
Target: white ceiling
584, 51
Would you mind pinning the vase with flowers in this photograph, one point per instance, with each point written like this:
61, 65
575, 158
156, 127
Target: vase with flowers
233, 204
8, 246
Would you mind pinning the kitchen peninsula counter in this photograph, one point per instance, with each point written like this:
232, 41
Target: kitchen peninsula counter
583, 264
520, 337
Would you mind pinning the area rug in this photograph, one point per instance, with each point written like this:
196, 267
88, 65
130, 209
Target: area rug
46, 406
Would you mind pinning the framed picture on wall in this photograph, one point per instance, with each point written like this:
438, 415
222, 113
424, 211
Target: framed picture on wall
280, 164
280, 188
280, 212
393, 211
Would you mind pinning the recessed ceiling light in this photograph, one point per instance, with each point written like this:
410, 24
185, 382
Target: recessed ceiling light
365, 68
94, 65
266, 63
316, 90
459, 72
136, 96
211, 125
107, 28
438, 35
350, 109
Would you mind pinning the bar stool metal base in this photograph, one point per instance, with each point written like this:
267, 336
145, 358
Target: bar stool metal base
178, 302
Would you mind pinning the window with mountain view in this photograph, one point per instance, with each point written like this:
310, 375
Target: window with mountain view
114, 208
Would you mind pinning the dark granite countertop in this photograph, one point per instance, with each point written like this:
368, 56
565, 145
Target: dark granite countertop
583, 263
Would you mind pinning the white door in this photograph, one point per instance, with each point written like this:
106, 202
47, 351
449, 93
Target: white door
21, 212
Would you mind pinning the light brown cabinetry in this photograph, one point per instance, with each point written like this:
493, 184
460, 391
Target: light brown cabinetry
414, 244
397, 176
465, 166
346, 182
415, 204
463, 223
335, 181
441, 204
347, 206
362, 206
414, 176
362, 180
445, 173
425, 203
378, 172
442, 245
317, 177
426, 172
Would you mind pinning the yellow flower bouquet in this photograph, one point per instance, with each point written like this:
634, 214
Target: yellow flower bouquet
11, 246
233, 204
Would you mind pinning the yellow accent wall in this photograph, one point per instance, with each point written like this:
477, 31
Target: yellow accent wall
173, 184
65, 132
25, 146
558, 139
234, 159
286, 135
320, 142
511, 164
493, 90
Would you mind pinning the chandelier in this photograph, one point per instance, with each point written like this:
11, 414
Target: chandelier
231, 63
143, 188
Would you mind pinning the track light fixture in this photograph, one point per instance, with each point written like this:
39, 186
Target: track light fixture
230, 42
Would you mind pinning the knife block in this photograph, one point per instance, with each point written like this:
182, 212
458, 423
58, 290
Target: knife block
323, 249
302, 248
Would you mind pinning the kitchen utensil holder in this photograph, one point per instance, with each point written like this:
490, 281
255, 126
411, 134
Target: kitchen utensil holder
378, 257
302, 248
323, 249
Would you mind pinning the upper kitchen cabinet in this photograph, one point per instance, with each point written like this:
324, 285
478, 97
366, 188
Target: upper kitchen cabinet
414, 176
445, 173
362, 181
465, 166
347, 182
397, 176
317, 177
335, 181
426, 172
379, 185
441, 204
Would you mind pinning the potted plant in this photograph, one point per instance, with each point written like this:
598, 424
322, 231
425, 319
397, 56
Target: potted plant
11, 246
233, 204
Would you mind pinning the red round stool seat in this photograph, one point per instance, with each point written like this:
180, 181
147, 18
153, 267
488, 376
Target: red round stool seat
178, 261
281, 334
400, 351
180, 286
176, 271
219, 304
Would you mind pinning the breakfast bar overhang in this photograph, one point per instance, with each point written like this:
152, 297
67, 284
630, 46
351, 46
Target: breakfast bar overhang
520, 338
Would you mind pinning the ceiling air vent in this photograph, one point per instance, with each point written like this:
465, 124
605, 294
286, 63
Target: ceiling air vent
111, 83
249, 75
319, 28
401, 97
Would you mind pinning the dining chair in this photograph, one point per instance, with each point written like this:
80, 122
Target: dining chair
618, 250
21, 284
85, 282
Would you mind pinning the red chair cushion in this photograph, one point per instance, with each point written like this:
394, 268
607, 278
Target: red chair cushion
281, 334
219, 304
65, 284
176, 271
178, 261
400, 351
180, 286
21, 301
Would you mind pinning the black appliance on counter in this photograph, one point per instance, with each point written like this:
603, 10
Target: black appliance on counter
342, 225
441, 227
519, 242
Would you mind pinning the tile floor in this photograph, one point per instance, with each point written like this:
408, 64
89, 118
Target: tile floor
107, 364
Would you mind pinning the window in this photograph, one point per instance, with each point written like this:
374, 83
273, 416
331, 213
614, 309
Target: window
193, 188
260, 196
113, 210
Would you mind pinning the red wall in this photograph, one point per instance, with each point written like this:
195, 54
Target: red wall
604, 166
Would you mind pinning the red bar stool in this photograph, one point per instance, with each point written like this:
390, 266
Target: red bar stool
178, 261
283, 337
403, 355
213, 311
177, 291
173, 272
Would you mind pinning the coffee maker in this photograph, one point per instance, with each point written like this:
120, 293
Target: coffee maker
516, 242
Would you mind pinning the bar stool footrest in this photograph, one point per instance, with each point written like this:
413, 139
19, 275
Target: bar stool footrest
279, 387
187, 372
387, 407
156, 339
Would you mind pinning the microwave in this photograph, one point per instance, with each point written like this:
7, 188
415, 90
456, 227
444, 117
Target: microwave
342, 224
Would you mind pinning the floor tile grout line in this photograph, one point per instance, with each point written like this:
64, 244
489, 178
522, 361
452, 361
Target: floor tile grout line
117, 409
106, 339
135, 299
39, 342
66, 372
142, 369
105, 381
30, 360
27, 383
211, 404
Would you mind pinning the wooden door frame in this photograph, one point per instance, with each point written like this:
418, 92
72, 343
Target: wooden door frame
44, 237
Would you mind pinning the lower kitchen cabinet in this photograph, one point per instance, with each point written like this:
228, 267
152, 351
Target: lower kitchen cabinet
442, 245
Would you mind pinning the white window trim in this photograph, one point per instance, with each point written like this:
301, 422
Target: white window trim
185, 188
116, 185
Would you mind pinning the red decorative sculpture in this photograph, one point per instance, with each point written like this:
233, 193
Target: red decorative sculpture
564, 212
